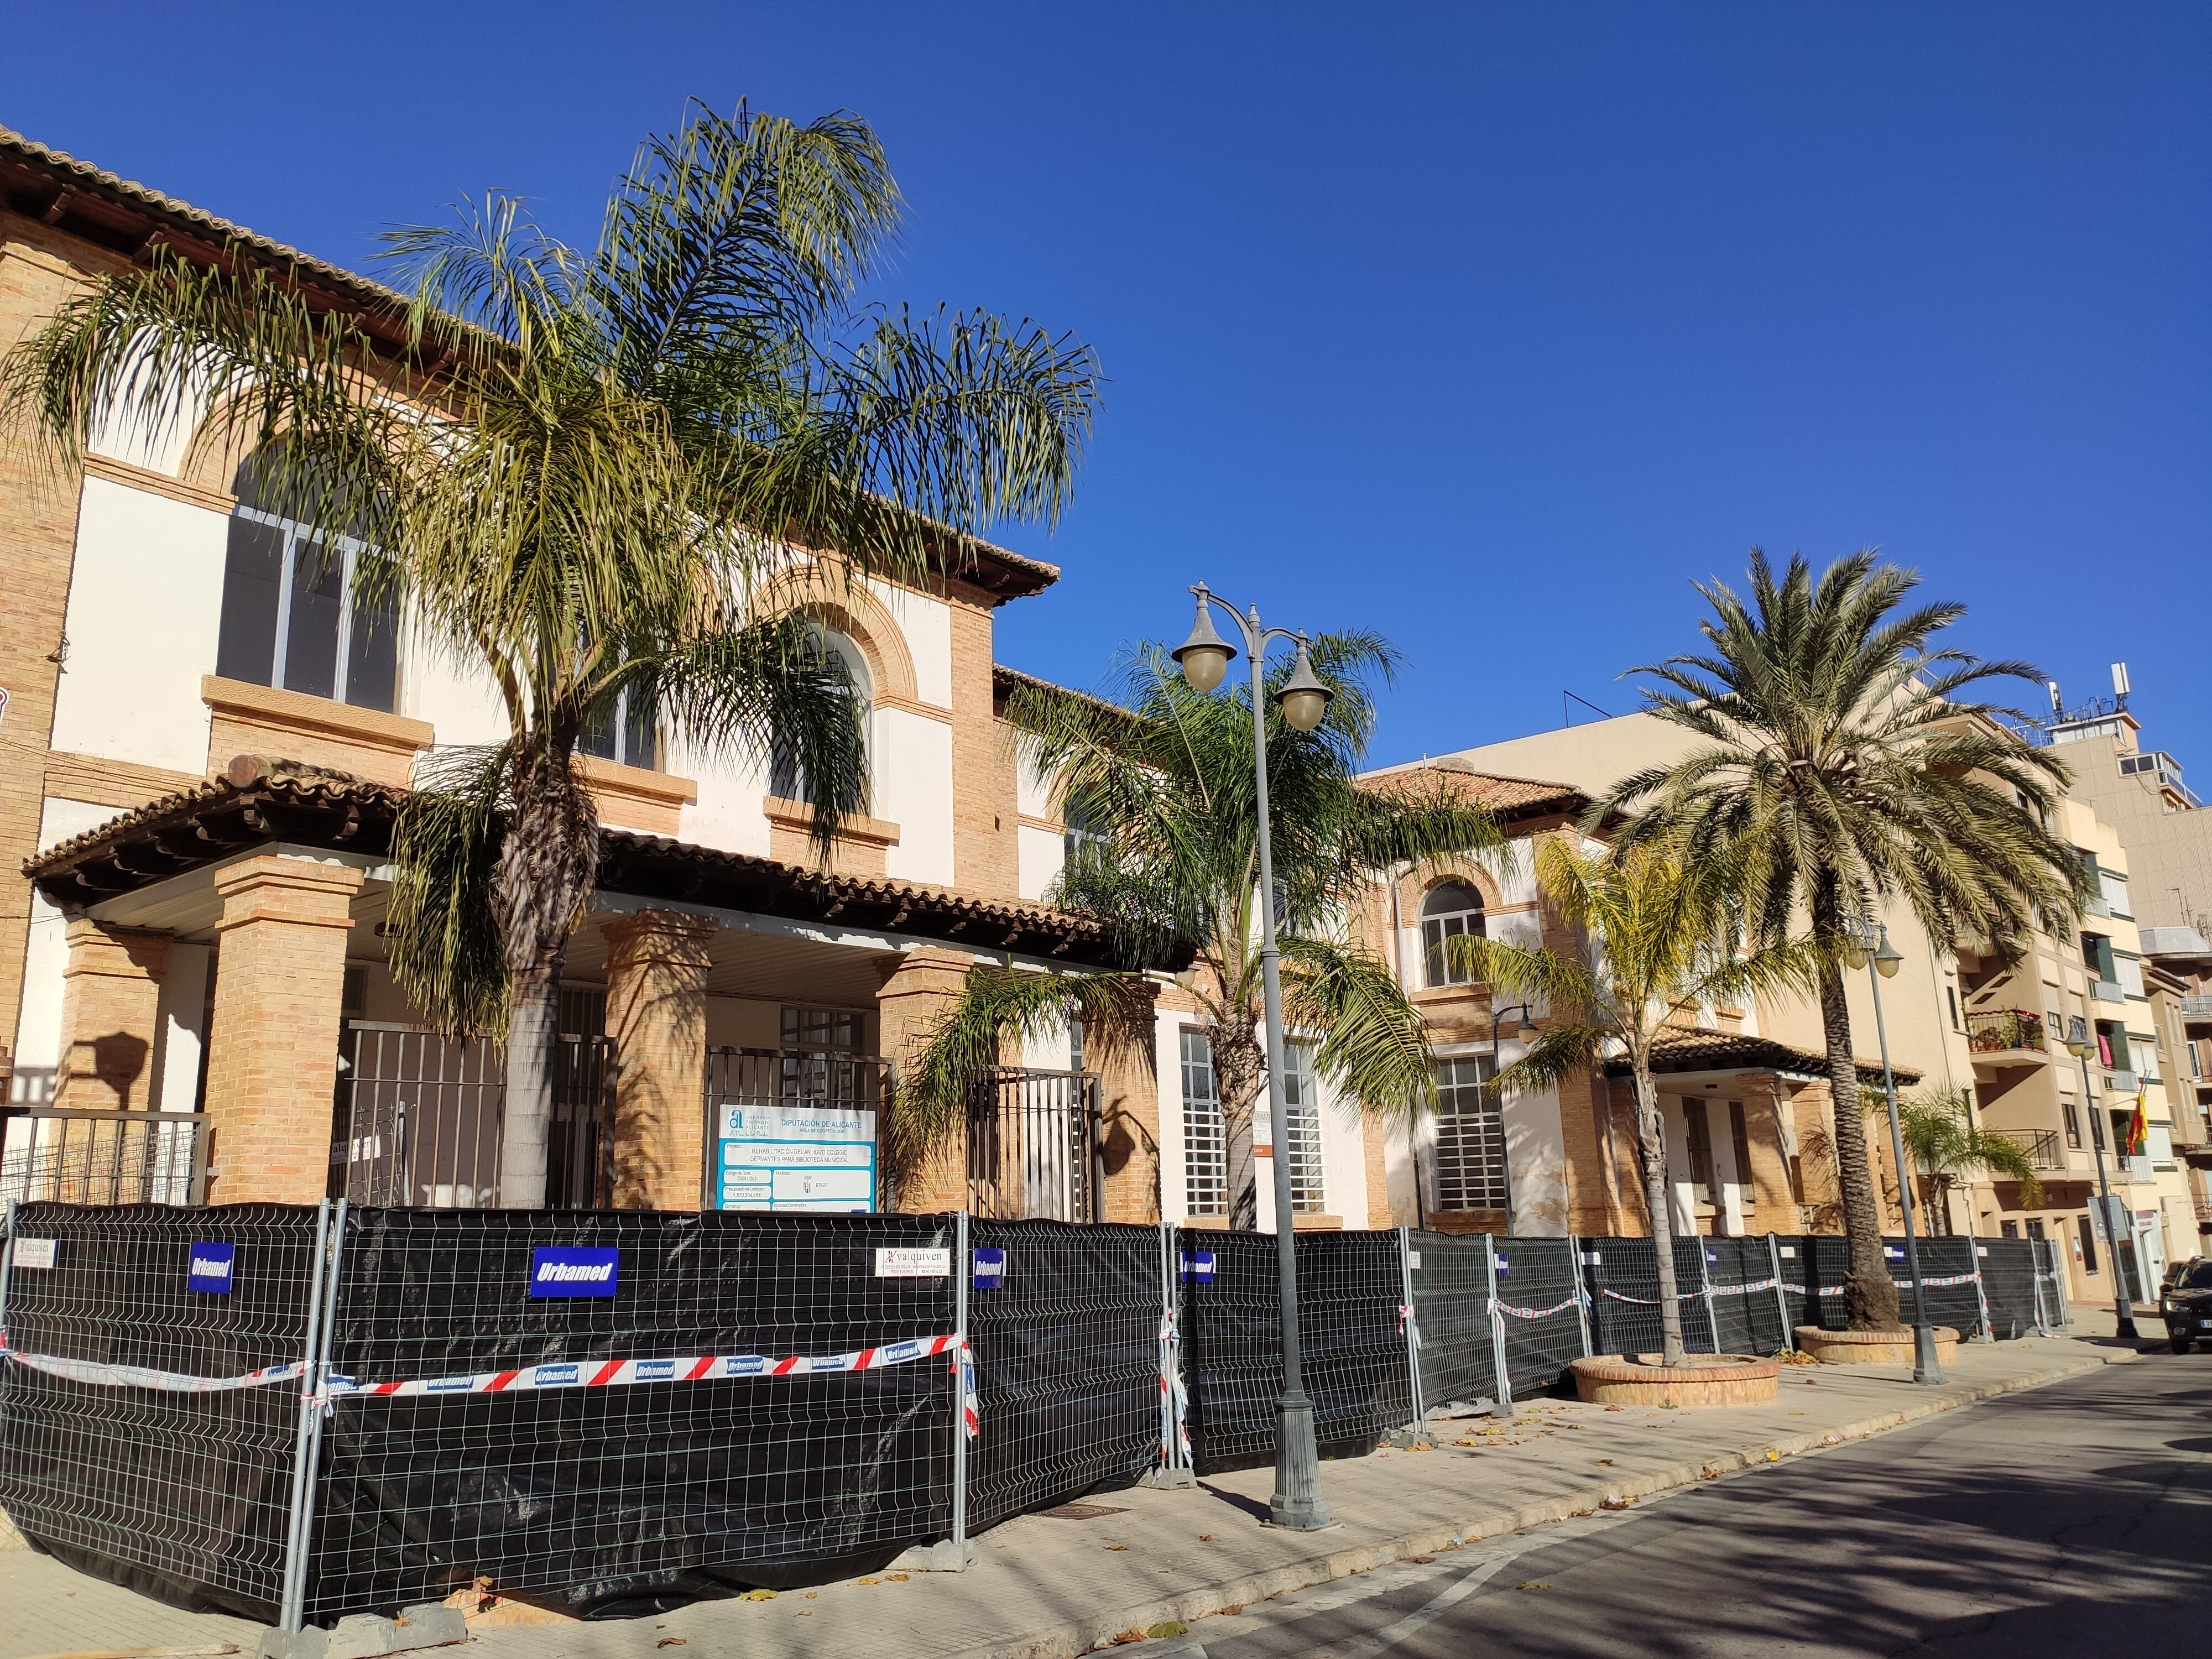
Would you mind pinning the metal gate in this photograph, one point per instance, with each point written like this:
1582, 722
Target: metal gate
1033, 1149
420, 1117
92, 1157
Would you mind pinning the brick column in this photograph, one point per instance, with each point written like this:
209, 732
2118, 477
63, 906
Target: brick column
273, 1053
1765, 1100
916, 989
1129, 1117
111, 997
657, 962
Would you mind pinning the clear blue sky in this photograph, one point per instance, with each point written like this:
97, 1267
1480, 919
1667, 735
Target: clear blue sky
1488, 327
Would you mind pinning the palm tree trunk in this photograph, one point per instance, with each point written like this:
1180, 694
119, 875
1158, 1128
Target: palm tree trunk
546, 868
1651, 1150
1869, 1296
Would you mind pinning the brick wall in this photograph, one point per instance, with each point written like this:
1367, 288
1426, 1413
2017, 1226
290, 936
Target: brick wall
111, 998
657, 964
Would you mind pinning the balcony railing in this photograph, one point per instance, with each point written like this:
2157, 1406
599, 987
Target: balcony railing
2196, 1007
55, 1154
2041, 1146
2001, 1031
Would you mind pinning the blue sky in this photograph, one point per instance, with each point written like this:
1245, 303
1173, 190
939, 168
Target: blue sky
1488, 327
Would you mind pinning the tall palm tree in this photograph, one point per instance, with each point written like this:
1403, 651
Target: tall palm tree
581, 467
1160, 782
1657, 937
1949, 1148
1845, 765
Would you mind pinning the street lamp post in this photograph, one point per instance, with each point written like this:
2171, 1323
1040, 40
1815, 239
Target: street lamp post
1526, 1032
2078, 1043
1870, 948
1203, 657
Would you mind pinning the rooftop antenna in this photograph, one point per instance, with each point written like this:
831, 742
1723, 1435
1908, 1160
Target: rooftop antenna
2057, 708
2120, 682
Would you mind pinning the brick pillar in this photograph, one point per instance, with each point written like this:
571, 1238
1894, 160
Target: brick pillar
273, 1053
916, 989
657, 962
1130, 1118
110, 996
1764, 1103
1816, 1157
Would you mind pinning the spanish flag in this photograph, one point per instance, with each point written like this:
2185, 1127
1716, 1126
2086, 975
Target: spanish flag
2138, 1130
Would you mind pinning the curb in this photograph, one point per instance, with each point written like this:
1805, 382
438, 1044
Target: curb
1065, 1640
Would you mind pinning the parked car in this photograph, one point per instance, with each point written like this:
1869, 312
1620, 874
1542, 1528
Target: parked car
2186, 1304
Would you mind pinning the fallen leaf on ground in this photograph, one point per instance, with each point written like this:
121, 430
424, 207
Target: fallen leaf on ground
761, 1595
1605, 1462
868, 1581
810, 1595
1206, 1538
1423, 1561
1117, 1546
1531, 1584
895, 1577
1225, 1612
672, 1642
1166, 1627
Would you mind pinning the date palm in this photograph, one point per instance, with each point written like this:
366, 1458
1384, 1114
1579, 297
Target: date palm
581, 466
1845, 763
1949, 1148
1655, 938
1160, 782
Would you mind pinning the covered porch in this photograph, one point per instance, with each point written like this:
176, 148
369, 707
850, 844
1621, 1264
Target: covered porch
732, 1031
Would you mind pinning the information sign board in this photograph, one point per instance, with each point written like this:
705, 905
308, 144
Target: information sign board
817, 1158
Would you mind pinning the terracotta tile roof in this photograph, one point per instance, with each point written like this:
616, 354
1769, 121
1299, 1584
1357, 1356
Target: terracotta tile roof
259, 801
1510, 798
1684, 1050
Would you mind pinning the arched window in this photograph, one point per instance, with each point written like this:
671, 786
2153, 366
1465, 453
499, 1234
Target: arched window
292, 616
1452, 910
787, 778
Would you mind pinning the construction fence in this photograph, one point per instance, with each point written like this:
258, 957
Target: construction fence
299, 1412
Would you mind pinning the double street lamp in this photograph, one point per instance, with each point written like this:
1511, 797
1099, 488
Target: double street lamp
1866, 945
1303, 699
2079, 1043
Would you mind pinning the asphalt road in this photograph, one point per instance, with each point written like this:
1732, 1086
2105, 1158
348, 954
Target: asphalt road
2074, 1520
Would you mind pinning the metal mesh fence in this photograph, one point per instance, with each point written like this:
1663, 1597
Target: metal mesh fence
1451, 1308
2009, 1281
1747, 1318
185, 1494
1540, 1302
1353, 1353
1947, 1282
627, 1496
1065, 1324
1624, 1288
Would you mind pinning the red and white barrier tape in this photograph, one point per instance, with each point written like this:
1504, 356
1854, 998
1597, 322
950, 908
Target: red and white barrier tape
552, 1375
1534, 1313
1171, 1390
1691, 1296
1906, 1283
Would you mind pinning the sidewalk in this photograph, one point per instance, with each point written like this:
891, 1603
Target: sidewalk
1046, 1588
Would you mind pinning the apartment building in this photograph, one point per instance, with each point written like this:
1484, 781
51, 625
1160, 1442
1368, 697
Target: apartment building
206, 736
2177, 968
2141, 792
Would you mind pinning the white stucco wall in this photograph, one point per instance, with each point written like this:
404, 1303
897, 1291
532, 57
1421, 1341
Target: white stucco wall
120, 435
913, 785
1039, 854
1167, 1059
463, 703
145, 611
39, 1022
927, 624
178, 1033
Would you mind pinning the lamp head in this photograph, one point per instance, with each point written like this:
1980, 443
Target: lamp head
1856, 953
2078, 1043
1303, 699
1526, 1030
1203, 657
1887, 960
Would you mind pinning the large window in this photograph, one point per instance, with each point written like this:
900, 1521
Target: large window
1205, 1140
786, 777
627, 733
1469, 1160
1302, 1107
292, 616
1453, 910
1699, 1141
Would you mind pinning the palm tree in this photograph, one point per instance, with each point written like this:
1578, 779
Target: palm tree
583, 468
1160, 783
1842, 769
1948, 1147
1657, 939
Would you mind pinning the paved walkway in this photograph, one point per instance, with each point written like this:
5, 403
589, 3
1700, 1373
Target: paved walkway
1042, 1588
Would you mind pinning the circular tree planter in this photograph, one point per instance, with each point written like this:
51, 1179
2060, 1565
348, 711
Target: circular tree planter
1872, 1347
1710, 1380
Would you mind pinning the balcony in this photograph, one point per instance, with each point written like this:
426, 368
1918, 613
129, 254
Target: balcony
2107, 990
2042, 1147
2196, 1007
2000, 1031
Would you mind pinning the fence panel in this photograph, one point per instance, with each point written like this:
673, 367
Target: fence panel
1353, 1353
1624, 1288
1743, 1296
2009, 1281
183, 1494
1942, 1259
1066, 1335
1537, 1296
1451, 1308
597, 1497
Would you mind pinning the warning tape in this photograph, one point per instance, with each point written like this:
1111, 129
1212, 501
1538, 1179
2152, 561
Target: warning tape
1647, 1301
552, 1375
1746, 1289
1171, 1389
1906, 1283
1534, 1313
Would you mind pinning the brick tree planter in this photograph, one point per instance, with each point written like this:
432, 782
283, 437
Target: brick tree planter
1872, 1347
1641, 1379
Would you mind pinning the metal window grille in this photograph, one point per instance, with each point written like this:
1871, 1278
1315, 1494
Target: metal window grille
1204, 1135
420, 1119
1468, 1164
1302, 1130
55, 1154
836, 1029
1033, 1145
